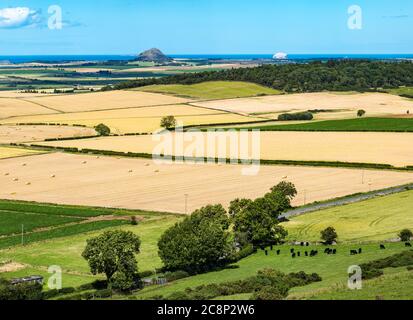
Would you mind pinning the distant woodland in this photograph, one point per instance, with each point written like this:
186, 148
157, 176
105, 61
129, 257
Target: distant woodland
316, 76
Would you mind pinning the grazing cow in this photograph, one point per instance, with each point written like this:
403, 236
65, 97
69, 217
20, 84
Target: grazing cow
306, 253
408, 244
360, 251
382, 247
293, 255
326, 250
271, 247
266, 252
299, 253
278, 252
353, 252
302, 244
334, 251
307, 244
292, 250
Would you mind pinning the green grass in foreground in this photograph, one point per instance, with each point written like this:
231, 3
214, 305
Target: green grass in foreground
66, 251
371, 220
332, 268
356, 125
213, 90
397, 285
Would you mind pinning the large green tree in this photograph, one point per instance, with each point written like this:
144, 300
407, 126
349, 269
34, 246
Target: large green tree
113, 253
198, 243
256, 221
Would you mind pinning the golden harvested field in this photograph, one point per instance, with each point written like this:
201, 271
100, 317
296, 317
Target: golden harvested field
17, 134
143, 119
105, 100
345, 105
135, 183
20, 94
11, 152
11, 107
366, 147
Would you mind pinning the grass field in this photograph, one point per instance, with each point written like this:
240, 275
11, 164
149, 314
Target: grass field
363, 124
341, 106
18, 134
332, 269
402, 91
370, 220
134, 120
144, 184
392, 148
104, 100
213, 90
12, 152
398, 286
66, 252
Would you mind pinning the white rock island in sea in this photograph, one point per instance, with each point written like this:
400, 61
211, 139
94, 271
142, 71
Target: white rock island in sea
280, 56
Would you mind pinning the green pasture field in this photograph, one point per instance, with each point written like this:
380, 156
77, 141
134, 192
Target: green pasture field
213, 90
66, 251
332, 268
355, 125
370, 220
11, 222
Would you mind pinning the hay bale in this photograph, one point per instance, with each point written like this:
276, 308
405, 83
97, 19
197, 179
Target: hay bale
15, 179
28, 184
53, 176
7, 174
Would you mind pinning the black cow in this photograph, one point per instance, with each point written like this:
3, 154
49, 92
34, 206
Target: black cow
293, 255
353, 252
292, 250
407, 244
266, 252
382, 247
278, 252
360, 251
307, 244
334, 251
299, 253
306, 253
271, 247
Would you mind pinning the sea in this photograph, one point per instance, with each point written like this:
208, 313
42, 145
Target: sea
235, 57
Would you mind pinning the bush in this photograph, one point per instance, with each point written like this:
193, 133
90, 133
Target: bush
102, 129
361, 113
23, 291
371, 273
105, 293
268, 293
405, 235
67, 290
178, 296
146, 274
296, 116
173, 276
134, 221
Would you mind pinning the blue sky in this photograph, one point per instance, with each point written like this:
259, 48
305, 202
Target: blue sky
205, 27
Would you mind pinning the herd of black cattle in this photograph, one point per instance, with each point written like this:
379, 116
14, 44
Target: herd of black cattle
328, 251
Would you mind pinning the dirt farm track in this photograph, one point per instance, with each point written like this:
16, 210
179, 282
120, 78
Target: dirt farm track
141, 184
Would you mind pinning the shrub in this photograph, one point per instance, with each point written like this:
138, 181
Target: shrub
105, 293
295, 116
268, 293
23, 291
371, 273
361, 113
102, 129
173, 276
178, 296
405, 234
134, 221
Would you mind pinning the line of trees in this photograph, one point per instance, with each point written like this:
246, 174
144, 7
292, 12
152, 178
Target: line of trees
333, 75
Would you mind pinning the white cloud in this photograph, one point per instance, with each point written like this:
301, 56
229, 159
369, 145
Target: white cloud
18, 17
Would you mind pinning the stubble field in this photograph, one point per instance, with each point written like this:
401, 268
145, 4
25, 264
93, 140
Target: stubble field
141, 184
